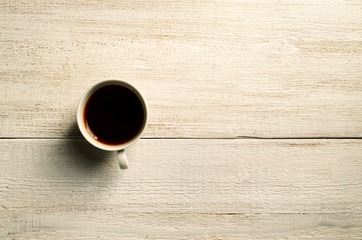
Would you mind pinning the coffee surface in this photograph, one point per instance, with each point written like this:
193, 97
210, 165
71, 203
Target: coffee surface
113, 115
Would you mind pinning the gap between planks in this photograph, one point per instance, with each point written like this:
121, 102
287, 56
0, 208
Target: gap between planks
196, 138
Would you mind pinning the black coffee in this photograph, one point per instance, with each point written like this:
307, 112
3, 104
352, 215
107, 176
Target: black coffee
113, 115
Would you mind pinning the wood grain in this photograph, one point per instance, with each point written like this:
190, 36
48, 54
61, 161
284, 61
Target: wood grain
182, 189
114, 224
207, 68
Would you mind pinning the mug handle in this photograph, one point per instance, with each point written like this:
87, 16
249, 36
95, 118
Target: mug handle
122, 159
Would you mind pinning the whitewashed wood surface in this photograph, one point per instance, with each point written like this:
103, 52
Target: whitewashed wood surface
183, 189
255, 119
207, 68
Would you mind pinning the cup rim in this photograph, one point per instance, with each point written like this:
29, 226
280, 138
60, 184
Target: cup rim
84, 100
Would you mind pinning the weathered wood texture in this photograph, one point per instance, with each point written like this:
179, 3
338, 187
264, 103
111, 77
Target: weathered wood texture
113, 224
182, 189
207, 68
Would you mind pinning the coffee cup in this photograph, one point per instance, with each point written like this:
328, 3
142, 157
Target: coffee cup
112, 115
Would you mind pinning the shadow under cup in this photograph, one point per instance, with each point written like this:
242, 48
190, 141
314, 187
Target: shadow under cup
112, 115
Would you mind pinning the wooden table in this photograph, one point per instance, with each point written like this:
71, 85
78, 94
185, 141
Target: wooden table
255, 119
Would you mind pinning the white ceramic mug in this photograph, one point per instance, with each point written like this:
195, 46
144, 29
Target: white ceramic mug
122, 158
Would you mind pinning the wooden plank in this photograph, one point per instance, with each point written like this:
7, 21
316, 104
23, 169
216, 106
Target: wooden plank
207, 68
110, 223
193, 189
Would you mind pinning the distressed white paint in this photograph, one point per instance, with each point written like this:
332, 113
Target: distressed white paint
182, 189
208, 68
113, 224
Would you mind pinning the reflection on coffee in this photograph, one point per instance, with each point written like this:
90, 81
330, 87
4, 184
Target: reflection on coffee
113, 115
